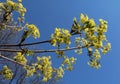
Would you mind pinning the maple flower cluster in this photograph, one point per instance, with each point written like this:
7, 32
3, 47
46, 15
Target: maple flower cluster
6, 13
92, 37
33, 30
60, 36
67, 64
10, 5
44, 65
6, 72
16, 6
19, 57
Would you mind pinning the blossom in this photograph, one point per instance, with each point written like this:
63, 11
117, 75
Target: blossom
6, 72
11, 3
106, 48
92, 23
60, 36
83, 18
44, 65
94, 64
96, 54
19, 57
33, 30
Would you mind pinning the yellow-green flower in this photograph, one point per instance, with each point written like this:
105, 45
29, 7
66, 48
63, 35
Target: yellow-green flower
92, 23
45, 79
6, 72
60, 36
94, 64
19, 57
44, 65
97, 44
106, 48
33, 30
72, 60
96, 54
11, 3
60, 72
83, 18
20, 1
30, 71
57, 31
66, 32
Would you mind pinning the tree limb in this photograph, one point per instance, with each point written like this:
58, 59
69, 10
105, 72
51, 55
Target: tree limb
11, 60
26, 44
42, 51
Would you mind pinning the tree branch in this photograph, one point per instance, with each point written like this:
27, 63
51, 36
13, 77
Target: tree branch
42, 51
26, 44
6, 58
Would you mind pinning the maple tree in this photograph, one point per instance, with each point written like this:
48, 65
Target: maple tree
87, 35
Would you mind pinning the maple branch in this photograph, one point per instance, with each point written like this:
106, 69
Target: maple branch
6, 58
26, 44
42, 51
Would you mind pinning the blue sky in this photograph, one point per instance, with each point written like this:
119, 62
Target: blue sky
48, 14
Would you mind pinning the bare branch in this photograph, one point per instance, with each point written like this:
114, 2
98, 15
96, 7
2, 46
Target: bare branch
27, 44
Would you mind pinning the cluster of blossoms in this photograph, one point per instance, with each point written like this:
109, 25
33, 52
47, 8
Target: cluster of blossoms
6, 72
42, 66
92, 37
106, 48
30, 70
16, 7
6, 13
59, 72
6, 10
33, 30
19, 57
67, 64
60, 36
45, 66
94, 58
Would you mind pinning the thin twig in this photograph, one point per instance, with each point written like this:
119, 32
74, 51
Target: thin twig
17, 27
6, 58
26, 44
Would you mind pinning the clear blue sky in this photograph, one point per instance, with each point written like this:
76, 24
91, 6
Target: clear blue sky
48, 14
